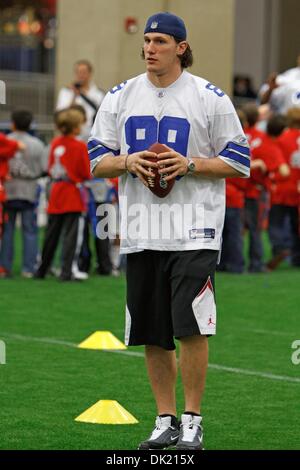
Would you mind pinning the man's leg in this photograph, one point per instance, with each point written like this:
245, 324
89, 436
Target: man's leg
193, 365
149, 322
162, 370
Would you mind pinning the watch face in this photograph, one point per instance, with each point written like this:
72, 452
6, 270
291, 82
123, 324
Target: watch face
191, 166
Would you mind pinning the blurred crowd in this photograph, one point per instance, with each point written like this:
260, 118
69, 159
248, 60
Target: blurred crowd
73, 198
268, 201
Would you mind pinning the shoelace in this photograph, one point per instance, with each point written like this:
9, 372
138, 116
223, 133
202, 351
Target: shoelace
189, 431
158, 423
158, 428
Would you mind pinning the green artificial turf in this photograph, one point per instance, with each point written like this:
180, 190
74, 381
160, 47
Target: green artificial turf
47, 381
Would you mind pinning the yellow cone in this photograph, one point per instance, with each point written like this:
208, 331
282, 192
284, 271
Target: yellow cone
102, 340
106, 412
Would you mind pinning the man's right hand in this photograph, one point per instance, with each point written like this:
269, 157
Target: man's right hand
137, 164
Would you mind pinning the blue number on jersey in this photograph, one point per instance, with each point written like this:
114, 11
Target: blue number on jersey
215, 89
117, 88
143, 131
174, 132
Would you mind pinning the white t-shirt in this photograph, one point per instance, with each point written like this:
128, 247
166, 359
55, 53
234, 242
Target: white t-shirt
285, 97
289, 76
196, 119
287, 93
66, 97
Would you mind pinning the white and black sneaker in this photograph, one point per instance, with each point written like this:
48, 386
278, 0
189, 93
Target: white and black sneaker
165, 434
191, 433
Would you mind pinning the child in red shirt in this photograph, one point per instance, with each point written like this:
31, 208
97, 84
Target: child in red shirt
285, 195
8, 148
68, 167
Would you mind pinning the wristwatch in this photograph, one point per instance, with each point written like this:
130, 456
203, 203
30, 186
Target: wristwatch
191, 166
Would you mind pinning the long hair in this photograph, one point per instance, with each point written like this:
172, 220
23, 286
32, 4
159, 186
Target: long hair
186, 59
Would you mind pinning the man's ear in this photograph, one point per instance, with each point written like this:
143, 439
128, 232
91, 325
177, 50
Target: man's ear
182, 47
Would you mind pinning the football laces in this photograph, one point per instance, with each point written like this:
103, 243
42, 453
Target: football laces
151, 181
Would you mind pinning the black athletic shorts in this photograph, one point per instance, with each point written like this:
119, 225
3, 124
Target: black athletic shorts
170, 294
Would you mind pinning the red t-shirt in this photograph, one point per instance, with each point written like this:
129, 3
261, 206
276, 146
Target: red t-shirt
270, 153
255, 138
68, 165
235, 192
8, 148
289, 143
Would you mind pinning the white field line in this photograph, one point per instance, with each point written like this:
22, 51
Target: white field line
234, 370
270, 332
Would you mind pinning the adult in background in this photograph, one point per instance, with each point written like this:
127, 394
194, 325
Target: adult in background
82, 91
282, 91
170, 277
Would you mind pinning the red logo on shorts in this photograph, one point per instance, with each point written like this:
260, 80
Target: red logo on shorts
210, 322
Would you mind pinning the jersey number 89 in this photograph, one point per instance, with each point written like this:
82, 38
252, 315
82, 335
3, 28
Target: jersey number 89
143, 131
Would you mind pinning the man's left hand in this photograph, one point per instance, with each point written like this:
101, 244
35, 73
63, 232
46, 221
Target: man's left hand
172, 163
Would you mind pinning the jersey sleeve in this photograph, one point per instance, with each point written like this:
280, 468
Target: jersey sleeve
104, 135
227, 136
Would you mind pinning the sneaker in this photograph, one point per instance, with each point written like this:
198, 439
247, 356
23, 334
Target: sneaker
79, 275
115, 272
191, 433
165, 434
27, 274
55, 272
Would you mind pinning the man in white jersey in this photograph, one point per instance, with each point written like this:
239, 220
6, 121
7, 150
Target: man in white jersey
172, 244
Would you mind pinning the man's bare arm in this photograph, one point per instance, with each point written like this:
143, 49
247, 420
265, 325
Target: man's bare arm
136, 163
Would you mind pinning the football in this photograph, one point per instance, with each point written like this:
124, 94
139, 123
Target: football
157, 184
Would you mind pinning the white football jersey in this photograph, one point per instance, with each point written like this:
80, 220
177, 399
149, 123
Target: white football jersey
193, 117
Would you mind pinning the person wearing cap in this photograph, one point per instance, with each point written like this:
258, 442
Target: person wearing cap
172, 244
